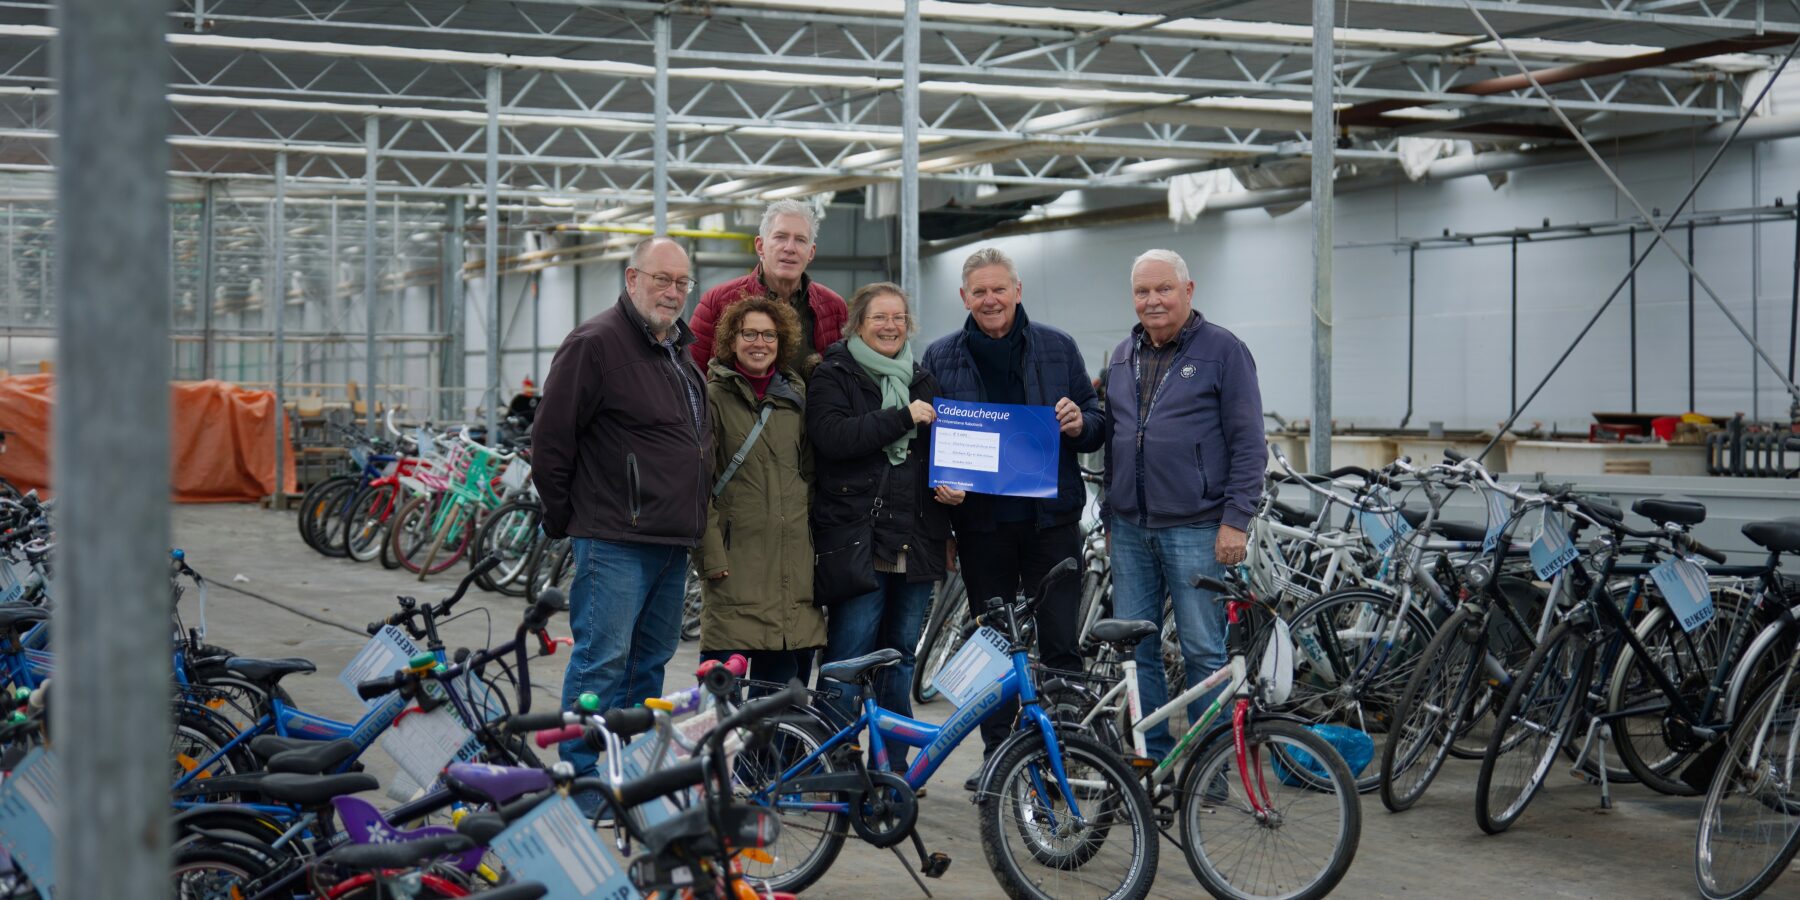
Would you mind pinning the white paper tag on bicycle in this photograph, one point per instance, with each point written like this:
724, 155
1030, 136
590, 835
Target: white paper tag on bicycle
386, 652
554, 846
981, 662
517, 473
639, 761
1683, 585
422, 744
1384, 530
28, 803
388, 470
1498, 513
1552, 551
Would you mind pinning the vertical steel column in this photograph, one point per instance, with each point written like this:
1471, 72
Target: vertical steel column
909, 157
1323, 160
331, 284
1692, 400
1631, 302
1512, 368
456, 374
1794, 299
661, 137
1755, 283
12, 286
1412, 288
371, 160
492, 270
278, 293
208, 221
110, 63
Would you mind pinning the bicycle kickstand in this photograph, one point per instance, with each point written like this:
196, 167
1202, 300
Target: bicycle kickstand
1598, 733
932, 864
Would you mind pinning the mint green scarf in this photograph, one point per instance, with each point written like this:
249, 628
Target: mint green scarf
894, 374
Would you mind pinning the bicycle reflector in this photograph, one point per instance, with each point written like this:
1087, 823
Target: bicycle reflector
1277, 671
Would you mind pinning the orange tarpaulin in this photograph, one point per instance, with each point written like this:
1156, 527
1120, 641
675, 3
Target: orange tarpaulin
222, 439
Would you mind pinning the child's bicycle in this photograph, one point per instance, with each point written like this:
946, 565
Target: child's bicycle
1268, 808
1061, 816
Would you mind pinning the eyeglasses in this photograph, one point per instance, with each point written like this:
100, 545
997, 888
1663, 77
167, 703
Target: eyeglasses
884, 319
664, 282
767, 337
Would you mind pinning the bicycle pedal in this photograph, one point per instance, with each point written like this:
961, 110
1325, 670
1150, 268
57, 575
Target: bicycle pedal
936, 865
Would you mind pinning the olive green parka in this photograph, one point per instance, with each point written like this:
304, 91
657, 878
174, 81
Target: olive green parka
759, 528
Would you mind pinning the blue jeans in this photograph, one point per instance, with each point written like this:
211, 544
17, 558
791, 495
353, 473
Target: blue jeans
892, 615
625, 613
1148, 564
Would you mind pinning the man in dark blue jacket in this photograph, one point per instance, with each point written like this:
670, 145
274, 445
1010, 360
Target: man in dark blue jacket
1184, 470
1001, 356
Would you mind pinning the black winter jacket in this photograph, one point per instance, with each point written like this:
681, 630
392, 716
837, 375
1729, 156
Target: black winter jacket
849, 430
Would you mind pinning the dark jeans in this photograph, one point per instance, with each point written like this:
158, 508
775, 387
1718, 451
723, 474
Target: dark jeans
891, 616
778, 666
1013, 558
625, 614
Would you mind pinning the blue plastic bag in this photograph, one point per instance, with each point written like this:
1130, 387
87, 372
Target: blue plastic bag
1357, 749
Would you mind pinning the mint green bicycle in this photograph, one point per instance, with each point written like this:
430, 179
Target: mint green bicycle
436, 526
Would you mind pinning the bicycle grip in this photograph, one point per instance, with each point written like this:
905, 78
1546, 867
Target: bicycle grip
376, 687
1695, 546
1453, 455
667, 780
550, 737
537, 721
629, 723
1208, 583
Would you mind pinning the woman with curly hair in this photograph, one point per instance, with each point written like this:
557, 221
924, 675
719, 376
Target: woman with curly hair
757, 555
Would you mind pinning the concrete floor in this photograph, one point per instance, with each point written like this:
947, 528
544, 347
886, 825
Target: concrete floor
1564, 847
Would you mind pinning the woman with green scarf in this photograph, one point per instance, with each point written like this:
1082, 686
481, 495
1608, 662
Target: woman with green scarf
868, 414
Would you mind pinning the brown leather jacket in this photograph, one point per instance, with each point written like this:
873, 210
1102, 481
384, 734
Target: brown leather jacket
621, 448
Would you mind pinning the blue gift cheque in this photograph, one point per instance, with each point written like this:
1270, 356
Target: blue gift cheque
995, 448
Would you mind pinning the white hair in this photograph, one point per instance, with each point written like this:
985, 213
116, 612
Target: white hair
988, 256
781, 208
1164, 256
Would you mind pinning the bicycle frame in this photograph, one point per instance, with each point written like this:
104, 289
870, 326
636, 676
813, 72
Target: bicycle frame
935, 742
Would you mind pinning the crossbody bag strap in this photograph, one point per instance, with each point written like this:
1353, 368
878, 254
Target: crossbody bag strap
737, 459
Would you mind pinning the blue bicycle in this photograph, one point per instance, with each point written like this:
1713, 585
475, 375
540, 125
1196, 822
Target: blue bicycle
1061, 815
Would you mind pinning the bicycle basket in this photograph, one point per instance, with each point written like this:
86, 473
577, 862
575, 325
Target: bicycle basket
1356, 748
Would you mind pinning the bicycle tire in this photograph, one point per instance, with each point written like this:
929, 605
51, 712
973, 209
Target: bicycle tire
1544, 699
549, 555
512, 533
1511, 640
943, 633
559, 561
332, 505
210, 868
1429, 715
1690, 660
1049, 850
833, 828
1303, 788
1330, 686
366, 524
313, 509
1726, 869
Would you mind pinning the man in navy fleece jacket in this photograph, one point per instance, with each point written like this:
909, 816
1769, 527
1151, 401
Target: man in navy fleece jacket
1184, 470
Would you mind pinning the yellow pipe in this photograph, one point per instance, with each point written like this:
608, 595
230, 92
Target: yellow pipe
673, 232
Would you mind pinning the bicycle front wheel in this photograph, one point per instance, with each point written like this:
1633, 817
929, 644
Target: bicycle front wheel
1430, 713
943, 635
366, 525
1301, 843
1531, 728
1750, 825
1097, 839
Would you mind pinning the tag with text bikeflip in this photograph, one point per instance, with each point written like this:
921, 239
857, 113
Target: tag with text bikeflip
28, 802
1683, 585
1552, 551
1383, 530
1497, 515
981, 662
386, 652
554, 846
